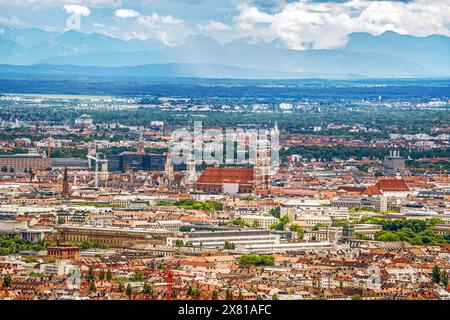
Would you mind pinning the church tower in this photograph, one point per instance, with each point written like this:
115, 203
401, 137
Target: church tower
191, 174
169, 175
262, 167
65, 186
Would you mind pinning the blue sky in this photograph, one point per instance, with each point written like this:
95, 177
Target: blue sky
299, 24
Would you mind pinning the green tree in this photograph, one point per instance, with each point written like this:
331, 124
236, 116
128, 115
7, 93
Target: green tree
92, 287
90, 276
148, 289
228, 295
229, 245
179, 243
257, 260
240, 222
356, 297
436, 275
109, 275
296, 228
129, 290
138, 276
7, 281
102, 275
319, 225
173, 295
274, 296
281, 223
444, 278
275, 212
121, 287
215, 295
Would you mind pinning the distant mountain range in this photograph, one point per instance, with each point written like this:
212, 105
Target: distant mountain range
169, 70
385, 56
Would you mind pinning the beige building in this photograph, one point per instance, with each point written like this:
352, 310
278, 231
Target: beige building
260, 221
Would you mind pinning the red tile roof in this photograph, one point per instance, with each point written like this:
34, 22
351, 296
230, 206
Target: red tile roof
372, 191
387, 185
392, 185
352, 189
219, 175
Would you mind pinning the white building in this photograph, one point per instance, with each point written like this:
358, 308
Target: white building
60, 268
217, 239
260, 221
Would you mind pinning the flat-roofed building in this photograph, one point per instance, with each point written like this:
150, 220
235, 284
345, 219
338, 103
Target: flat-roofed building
111, 236
296, 209
442, 230
25, 161
285, 247
72, 163
217, 239
170, 225
64, 251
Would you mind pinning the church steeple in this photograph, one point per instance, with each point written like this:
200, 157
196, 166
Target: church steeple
65, 186
262, 169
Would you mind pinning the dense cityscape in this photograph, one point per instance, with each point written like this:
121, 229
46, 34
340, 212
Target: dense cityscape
209, 159
94, 207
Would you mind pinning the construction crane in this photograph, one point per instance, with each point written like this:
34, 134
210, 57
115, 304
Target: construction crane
169, 275
97, 162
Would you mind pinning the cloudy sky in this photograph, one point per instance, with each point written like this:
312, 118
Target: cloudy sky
299, 24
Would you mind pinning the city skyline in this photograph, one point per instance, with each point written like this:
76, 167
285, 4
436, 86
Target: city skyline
209, 158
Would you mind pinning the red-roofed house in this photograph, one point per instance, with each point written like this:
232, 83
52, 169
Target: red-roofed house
389, 187
219, 179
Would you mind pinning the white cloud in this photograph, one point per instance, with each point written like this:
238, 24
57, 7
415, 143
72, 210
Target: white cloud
325, 25
99, 25
168, 29
88, 3
165, 38
214, 26
171, 20
77, 10
126, 13
12, 22
155, 19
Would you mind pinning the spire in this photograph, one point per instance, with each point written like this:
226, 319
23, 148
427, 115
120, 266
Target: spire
65, 186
